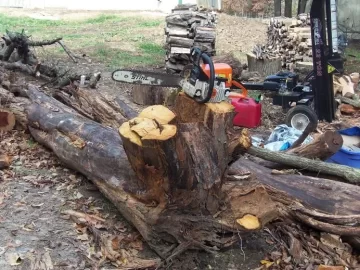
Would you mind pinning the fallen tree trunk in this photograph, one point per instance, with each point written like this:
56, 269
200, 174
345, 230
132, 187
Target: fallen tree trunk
97, 152
95, 106
170, 185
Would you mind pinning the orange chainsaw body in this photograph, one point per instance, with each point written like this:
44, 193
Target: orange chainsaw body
221, 70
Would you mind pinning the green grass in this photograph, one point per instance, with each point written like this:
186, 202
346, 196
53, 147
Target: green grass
116, 40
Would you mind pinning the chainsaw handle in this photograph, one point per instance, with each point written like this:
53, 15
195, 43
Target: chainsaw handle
197, 56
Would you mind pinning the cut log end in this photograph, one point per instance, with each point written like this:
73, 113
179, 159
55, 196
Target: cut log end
7, 120
249, 222
151, 129
159, 113
322, 147
5, 161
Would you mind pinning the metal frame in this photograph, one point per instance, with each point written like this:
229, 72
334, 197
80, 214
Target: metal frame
324, 48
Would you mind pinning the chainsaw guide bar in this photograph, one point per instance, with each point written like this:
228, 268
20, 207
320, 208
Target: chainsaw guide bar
143, 77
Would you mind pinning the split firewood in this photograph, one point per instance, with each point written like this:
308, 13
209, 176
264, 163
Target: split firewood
186, 27
291, 44
355, 78
348, 109
5, 161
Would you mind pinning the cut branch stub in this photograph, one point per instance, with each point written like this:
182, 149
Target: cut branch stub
7, 120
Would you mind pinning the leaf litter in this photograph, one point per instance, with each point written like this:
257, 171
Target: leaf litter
50, 219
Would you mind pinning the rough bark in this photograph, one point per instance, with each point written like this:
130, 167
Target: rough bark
93, 105
322, 147
264, 67
347, 173
153, 95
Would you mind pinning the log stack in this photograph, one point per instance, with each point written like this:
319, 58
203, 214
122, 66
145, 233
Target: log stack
291, 43
188, 26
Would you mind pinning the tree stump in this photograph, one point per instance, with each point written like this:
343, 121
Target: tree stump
154, 95
264, 67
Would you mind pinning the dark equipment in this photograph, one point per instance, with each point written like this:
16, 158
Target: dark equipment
314, 97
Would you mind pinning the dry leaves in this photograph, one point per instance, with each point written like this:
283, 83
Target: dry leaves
304, 249
106, 243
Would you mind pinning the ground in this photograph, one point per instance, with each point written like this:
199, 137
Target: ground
36, 190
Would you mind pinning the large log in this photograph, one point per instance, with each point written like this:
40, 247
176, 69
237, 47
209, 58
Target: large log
181, 221
322, 147
264, 67
185, 201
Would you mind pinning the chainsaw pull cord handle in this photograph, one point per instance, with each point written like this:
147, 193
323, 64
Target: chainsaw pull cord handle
198, 55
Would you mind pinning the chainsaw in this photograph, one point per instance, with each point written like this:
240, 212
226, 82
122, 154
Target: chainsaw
204, 82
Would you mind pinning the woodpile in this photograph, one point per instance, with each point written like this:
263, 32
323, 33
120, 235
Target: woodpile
291, 43
188, 26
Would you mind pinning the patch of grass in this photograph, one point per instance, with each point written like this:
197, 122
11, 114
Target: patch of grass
154, 23
151, 48
19, 23
102, 18
116, 40
147, 54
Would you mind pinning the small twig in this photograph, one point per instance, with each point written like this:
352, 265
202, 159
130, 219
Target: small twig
241, 245
309, 128
55, 79
69, 53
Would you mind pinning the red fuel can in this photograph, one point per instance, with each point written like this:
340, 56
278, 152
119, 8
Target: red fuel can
247, 112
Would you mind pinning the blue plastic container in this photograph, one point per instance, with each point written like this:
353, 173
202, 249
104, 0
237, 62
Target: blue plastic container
345, 156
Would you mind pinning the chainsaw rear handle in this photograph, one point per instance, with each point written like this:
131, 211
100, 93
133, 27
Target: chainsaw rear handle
198, 73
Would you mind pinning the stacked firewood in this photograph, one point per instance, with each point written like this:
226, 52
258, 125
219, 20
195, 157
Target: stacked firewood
291, 43
188, 26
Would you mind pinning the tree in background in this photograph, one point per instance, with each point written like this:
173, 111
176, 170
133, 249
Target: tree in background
288, 8
277, 8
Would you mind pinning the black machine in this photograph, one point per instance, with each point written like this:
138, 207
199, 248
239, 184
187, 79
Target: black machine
314, 97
